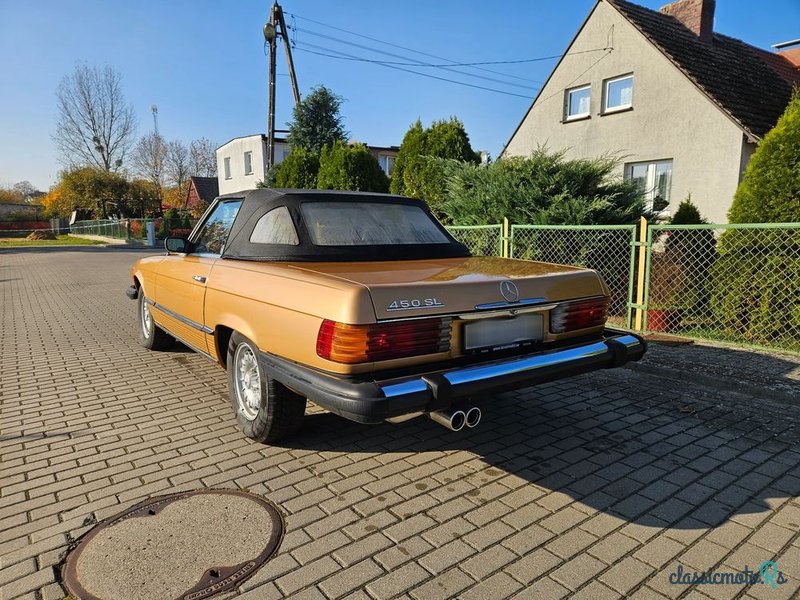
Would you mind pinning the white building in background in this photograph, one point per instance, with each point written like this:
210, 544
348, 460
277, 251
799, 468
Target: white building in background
242, 162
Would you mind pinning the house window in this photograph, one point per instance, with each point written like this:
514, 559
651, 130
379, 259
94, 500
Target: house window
387, 163
618, 93
577, 102
248, 163
227, 162
654, 180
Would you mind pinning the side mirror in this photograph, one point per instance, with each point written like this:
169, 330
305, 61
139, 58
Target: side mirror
178, 245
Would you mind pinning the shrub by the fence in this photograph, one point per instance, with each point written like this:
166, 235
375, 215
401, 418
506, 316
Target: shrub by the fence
755, 286
173, 219
482, 240
137, 229
21, 228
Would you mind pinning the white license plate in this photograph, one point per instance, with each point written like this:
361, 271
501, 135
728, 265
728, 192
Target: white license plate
503, 334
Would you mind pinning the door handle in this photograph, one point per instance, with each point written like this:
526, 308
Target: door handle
199, 278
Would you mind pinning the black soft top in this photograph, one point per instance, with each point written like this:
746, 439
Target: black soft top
257, 203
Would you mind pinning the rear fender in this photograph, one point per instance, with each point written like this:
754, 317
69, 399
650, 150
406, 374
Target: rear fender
237, 323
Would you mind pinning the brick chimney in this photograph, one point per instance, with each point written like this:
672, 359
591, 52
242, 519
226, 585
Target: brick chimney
790, 51
696, 15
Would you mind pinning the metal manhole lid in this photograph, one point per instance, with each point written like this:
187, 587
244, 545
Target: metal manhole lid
187, 546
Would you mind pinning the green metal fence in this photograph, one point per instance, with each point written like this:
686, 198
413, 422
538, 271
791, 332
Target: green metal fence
136, 229
105, 228
736, 283
609, 249
482, 240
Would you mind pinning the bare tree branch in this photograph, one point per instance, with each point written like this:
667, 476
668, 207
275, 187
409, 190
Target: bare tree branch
203, 158
150, 159
177, 165
95, 126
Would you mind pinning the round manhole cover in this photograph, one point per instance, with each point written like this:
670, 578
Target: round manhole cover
186, 546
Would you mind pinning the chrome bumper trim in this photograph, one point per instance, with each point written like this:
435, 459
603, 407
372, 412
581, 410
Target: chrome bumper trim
529, 364
511, 366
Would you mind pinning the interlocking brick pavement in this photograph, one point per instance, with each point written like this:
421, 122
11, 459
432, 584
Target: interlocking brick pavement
598, 487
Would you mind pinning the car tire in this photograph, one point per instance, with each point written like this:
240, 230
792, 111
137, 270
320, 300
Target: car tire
151, 336
265, 409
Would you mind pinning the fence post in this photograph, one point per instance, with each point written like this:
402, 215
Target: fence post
640, 275
506, 238
631, 277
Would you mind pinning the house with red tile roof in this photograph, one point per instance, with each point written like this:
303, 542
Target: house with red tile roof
682, 106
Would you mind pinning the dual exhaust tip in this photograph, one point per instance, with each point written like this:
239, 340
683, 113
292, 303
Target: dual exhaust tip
457, 419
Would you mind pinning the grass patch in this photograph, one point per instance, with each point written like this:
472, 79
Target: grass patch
61, 240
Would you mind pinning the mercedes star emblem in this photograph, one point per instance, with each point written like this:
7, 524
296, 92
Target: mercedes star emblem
509, 291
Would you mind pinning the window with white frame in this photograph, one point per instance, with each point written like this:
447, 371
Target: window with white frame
577, 102
618, 93
248, 163
654, 180
387, 163
227, 167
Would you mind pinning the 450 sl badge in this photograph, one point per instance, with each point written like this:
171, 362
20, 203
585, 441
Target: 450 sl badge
414, 303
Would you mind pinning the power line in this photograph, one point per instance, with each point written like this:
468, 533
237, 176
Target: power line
412, 62
345, 56
407, 49
589, 68
404, 62
470, 64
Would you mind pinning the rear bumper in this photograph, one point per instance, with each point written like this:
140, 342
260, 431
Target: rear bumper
375, 401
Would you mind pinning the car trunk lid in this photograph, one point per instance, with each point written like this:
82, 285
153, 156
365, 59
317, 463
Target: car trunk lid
401, 289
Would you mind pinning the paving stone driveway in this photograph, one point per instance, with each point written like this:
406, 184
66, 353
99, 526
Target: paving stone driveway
598, 487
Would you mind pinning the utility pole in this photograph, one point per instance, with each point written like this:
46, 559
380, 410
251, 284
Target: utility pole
270, 35
272, 29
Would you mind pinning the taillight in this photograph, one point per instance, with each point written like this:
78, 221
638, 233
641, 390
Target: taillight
580, 314
352, 344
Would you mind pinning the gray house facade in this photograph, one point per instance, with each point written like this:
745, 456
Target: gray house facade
682, 106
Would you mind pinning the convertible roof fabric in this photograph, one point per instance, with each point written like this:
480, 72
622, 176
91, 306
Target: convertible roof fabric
258, 202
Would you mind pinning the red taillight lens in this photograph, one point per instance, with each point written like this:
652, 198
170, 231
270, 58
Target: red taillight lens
352, 344
581, 314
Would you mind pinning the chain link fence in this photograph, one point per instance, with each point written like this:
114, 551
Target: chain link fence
608, 249
482, 240
734, 283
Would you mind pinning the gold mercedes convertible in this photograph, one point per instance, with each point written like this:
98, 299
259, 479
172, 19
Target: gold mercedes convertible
366, 305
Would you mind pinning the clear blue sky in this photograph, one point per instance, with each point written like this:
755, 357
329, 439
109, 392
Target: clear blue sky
202, 63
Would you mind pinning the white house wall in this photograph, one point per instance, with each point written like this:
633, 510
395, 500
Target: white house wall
671, 118
235, 149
